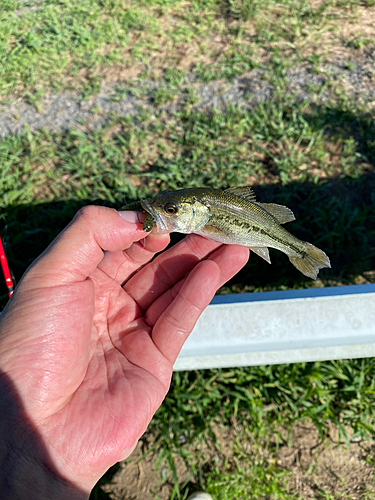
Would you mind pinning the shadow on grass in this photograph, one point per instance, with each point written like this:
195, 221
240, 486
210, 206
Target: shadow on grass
97, 492
338, 216
344, 123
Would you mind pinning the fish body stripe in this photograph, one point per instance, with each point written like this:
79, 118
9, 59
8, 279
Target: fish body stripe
223, 221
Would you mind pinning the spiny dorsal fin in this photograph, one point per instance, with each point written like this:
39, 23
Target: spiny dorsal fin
243, 192
282, 214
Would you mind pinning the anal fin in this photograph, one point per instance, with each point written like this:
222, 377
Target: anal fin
262, 252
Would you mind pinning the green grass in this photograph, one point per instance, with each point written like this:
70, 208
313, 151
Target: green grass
247, 480
70, 45
63, 38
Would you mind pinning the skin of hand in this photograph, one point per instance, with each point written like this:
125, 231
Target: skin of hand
89, 338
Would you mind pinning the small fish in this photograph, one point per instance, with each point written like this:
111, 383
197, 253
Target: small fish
232, 216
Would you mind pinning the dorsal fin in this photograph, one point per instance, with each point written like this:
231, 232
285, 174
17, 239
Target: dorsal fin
243, 192
282, 214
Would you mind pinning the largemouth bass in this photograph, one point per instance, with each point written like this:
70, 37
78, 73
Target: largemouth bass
232, 216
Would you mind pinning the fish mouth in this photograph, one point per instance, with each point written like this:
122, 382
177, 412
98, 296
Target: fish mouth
160, 225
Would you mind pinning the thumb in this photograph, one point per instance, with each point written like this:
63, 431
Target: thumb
78, 249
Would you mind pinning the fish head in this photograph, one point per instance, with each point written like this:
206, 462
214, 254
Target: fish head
177, 211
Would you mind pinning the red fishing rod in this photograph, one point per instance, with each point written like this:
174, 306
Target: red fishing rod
6, 270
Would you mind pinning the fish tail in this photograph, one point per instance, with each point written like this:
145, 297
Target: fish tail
310, 261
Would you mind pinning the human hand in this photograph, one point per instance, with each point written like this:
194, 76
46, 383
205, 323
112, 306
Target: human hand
91, 360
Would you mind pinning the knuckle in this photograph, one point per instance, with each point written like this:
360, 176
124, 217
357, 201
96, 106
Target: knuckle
175, 323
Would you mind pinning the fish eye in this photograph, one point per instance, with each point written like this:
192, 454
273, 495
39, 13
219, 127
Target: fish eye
170, 208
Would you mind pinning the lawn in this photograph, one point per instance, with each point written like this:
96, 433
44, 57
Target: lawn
302, 134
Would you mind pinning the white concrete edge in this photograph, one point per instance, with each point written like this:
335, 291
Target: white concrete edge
274, 357
279, 327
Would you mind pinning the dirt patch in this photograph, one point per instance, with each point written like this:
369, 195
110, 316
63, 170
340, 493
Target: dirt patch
332, 466
316, 468
139, 478
64, 111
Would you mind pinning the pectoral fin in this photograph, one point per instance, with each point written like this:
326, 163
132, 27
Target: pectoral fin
262, 252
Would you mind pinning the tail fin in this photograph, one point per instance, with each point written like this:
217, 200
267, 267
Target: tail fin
312, 260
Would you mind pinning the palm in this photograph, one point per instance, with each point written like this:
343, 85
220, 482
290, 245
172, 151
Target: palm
92, 376
114, 392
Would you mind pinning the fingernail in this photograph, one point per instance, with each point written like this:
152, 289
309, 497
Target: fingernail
130, 216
